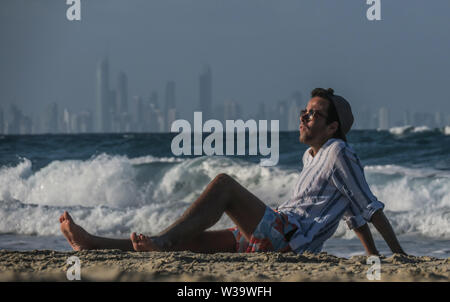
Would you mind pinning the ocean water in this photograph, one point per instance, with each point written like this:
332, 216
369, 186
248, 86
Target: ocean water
114, 184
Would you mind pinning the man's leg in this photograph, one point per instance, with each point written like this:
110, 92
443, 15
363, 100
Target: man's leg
206, 242
79, 239
221, 241
222, 195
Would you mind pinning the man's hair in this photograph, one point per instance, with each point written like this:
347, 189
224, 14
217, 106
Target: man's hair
332, 113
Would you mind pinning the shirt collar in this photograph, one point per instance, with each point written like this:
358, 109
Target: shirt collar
324, 146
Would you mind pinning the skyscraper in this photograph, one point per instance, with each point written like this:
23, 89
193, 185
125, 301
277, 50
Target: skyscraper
205, 81
293, 115
383, 119
156, 115
51, 119
170, 113
122, 92
102, 120
113, 118
232, 110
86, 123
12, 121
66, 125
1, 122
439, 119
406, 118
137, 106
261, 115
281, 114
363, 118
25, 125
122, 119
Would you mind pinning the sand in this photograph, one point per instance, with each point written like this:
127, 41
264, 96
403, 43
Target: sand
114, 265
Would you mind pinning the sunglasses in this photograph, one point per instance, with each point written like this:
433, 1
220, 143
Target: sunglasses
309, 115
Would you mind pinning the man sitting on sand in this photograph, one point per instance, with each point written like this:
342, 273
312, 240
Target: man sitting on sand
331, 186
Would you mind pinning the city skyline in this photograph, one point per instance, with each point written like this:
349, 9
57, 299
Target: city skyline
115, 111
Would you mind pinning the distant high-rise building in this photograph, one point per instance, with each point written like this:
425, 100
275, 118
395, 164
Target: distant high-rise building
154, 99
406, 118
102, 101
113, 116
439, 119
25, 125
75, 122
137, 110
281, 113
363, 119
232, 110
122, 117
122, 93
37, 123
261, 114
293, 115
297, 97
2, 122
374, 120
50, 119
12, 120
170, 112
155, 116
219, 112
383, 118
205, 81
86, 122
171, 117
159, 121
66, 124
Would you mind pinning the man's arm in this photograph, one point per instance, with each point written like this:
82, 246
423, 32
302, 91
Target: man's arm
364, 234
382, 224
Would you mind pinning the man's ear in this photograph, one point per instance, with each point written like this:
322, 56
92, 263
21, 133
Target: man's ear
333, 127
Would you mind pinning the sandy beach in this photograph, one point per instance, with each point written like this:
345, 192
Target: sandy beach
114, 265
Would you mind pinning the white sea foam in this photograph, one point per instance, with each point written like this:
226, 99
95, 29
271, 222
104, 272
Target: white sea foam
417, 200
421, 129
409, 129
405, 171
108, 195
446, 130
114, 195
401, 130
151, 159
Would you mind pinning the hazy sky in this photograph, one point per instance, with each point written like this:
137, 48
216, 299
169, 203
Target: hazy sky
258, 50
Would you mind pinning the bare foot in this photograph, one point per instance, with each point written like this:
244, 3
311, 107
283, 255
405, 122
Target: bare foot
143, 243
77, 237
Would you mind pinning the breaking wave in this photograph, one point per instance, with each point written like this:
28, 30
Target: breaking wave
114, 195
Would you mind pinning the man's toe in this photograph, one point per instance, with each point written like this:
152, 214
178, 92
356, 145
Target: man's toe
67, 216
133, 237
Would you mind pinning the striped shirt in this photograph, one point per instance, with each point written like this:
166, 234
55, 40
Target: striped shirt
331, 186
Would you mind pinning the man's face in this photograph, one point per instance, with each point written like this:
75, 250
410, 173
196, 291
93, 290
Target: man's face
316, 129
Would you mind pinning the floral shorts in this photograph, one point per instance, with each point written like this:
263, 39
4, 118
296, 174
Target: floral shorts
271, 234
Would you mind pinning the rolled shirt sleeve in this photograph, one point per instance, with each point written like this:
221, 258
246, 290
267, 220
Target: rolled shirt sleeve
353, 220
348, 177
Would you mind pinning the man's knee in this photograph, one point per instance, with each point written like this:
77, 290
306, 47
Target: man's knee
223, 179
